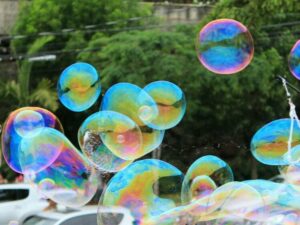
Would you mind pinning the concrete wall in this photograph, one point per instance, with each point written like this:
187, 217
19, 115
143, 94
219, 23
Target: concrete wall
8, 14
181, 13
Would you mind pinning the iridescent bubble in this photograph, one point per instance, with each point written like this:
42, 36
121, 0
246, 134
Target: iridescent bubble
201, 186
234, 199
146, 187
26, 123
134, 102
269, 145
79, 86
225, 46
70, 180
170, 101
209, 169
110, 140
294, 60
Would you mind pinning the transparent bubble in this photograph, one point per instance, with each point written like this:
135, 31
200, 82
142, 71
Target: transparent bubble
160, 182
27, 123
134, 102
170, 101
70, 180
234, 199
225, 46
208, 172
111, 136
294, 60
269, 145
79, 86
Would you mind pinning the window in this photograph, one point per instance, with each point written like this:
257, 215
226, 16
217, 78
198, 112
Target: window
90, 219
13, 194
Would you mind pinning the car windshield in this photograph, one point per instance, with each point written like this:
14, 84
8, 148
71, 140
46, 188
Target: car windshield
36, 220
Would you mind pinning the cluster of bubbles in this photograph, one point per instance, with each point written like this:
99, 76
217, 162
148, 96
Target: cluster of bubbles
131, 123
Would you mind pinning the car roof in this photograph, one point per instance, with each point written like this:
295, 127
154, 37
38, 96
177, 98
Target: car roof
16, 186
70, 212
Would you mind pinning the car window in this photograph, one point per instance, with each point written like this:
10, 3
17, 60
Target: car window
13, 194
90, 219
111, 218
35, 220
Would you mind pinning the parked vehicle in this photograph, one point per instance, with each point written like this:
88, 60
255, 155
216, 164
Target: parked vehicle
84, 216
18, 202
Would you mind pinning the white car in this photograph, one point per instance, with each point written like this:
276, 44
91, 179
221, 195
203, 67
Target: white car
86, 215
18, 202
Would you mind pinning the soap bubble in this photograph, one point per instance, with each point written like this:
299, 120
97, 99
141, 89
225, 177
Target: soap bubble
234, 199
110, 140
294, 62
146, 187
210, 171
225, 46
269, 145
70, 180
27, 123
79, 86
170, 101
134, 102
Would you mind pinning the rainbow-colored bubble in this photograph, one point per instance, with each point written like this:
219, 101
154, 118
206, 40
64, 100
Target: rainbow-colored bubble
269, 145
225, 46
138, 105
294, 60
204, 175
110, 140
22, 126
79, 86
147, 188
170, 101
70, 180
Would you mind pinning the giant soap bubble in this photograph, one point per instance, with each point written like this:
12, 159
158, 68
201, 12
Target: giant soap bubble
225, 46
294, 60
269, 145
23, 125
147, 188
70, 180
170, 101
79, 87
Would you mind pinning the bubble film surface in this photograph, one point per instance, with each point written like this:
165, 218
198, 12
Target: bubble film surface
170, 101
294, 60
207, 172
70, 180
161, 184
269, 145
79, 86
225, 46
134, 102
26, 124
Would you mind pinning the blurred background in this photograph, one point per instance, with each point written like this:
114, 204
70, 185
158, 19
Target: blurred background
144, 41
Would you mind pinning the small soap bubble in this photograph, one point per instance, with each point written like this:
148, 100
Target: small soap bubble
79, 87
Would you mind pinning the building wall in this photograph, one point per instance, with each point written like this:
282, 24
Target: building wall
8, 14
180, 13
